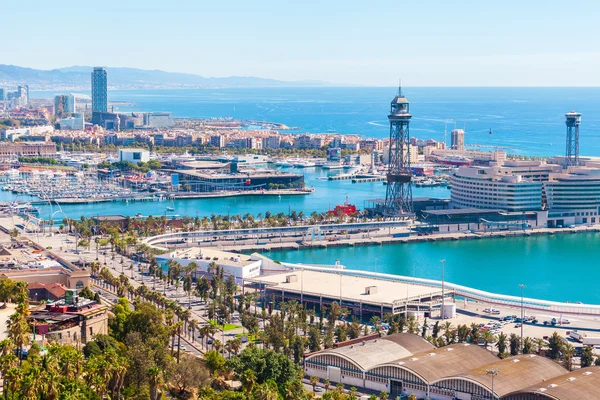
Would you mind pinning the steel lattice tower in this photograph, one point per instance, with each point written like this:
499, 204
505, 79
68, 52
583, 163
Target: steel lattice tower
573, 120
398, 197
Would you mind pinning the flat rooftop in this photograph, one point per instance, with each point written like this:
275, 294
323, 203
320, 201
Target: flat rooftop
249, 175
206, 254
353, 288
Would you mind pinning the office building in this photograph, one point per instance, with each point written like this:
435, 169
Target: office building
463, 157
76, 122
158, 120
23, 94
99, 90
458, 139
27, 149
64, 105
2, 94
39, 132
134, 155
494, 188
573, 197
106, 120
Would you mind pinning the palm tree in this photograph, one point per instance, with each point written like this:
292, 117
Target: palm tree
528, 345
314, 381
501, 343
326, 384
248, 380
217, 345
192, 326
567, 359
384, 395
539, 344
190, 269
376, 321
154, 380
488, 337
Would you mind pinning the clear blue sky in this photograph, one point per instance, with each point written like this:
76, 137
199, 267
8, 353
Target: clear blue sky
427, 43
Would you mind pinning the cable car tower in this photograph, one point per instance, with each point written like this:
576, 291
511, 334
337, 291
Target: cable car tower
398, 197
573, 120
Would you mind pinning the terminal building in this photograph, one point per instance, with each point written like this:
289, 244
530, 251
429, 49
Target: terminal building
239, 266
403, 364
362, 296
204, 181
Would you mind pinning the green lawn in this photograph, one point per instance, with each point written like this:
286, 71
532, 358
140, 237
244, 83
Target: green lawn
228, 327
251, 338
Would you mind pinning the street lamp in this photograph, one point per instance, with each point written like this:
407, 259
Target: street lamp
443, 261
493, 372
522, 286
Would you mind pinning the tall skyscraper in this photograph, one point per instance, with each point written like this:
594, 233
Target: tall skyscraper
64, 105
23, 94
458, 139
2, 94
99, 90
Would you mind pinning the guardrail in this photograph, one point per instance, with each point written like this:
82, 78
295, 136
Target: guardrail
469, 293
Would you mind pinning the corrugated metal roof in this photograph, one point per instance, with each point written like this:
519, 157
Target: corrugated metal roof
579, 384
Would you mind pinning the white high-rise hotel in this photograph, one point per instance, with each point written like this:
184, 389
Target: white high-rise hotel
570, 196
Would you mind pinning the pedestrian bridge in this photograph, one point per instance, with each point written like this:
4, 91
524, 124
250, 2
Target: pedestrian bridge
325, 229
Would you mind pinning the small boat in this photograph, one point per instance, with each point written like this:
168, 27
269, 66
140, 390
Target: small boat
170, 208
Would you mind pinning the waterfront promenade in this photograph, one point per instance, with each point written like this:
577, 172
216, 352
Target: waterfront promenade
329, 236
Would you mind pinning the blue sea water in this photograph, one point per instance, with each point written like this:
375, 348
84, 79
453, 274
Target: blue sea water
527, 121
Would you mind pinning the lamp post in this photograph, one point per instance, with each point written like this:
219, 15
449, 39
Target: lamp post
493, 372
522, 286
443, 261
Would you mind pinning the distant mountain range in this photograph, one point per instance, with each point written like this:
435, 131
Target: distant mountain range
78, 77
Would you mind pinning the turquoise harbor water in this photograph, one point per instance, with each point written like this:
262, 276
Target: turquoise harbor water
327, 194
526, 121
558, 267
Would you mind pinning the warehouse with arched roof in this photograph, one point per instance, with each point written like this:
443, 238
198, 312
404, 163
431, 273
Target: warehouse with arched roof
580, 384
514, 373
348, 362
413, 375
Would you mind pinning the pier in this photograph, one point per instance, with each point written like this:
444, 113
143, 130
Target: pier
134, 197
369, 179
341, 177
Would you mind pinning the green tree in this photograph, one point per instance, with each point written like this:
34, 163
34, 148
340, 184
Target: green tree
528, 345
587, 356
567, 358
514, 344
501, 343
266, 364
555, 344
